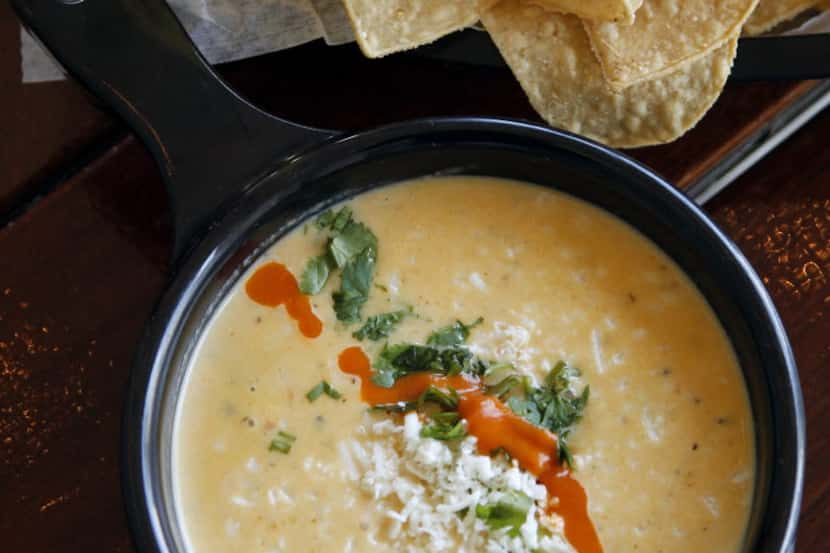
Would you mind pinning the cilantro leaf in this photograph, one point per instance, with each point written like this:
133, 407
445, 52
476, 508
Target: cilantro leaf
564, 410
508, 512
396, 361
343, 217
452, 335
399, 360
325, 219
525, 408
282, 442
560, 377
565, 457
446, 417
334, 221
386, 371
444, 431
316, 274
504, 387
356, 281
446, 400
351, 241
322, 388
380, 326
554, 406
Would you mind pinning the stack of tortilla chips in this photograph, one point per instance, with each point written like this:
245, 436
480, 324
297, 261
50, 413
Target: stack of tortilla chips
627, 73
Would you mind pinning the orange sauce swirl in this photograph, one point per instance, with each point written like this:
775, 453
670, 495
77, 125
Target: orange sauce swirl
273, 285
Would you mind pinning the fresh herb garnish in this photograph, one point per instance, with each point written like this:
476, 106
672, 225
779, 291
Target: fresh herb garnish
343, 218
452, 335
325, 219
315, 274
504, 387
381, 326
322, 388
399, 360
282, 442
444, 431
352, 247
445, 400
446, 417
561, 376
554, 406
354, 239
334, 221
446, 424
354, 287
508, 512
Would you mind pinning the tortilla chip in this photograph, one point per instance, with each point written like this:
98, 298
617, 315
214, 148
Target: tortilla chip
386, 26
770, 13
665, 35
621, 11
551, 56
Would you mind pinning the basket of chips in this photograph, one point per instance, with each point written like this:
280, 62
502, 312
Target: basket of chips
627, 73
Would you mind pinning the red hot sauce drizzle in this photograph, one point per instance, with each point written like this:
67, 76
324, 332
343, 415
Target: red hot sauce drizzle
495, 426
273, 285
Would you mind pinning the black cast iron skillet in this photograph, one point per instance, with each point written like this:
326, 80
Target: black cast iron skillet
240, 179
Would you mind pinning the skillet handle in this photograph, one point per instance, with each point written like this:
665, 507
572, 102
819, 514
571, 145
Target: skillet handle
134, 54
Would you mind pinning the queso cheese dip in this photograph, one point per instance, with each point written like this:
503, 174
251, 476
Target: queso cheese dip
277, 448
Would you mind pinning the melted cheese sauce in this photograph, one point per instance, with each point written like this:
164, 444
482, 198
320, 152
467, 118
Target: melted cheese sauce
665, 450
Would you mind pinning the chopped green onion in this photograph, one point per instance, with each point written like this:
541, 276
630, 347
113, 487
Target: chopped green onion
282, 442
504, 387
440, 397
440, 431
322, 388
508, 512
452, 335
446, 417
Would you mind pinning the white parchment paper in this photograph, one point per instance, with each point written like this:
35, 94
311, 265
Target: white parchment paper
227, 30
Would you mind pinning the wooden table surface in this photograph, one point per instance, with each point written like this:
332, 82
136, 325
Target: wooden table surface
85, 249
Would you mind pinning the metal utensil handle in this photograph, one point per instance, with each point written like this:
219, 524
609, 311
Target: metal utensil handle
135, 56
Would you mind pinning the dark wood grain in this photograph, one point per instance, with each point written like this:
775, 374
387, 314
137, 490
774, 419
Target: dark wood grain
42, 126
779, 215
79, 275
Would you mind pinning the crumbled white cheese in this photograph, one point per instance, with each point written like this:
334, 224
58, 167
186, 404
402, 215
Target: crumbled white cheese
508, 341
712, 505
240, 501
652, 425
596, 348
252, 465
478, 281
428, 490
278, 495
231, 528
394, 283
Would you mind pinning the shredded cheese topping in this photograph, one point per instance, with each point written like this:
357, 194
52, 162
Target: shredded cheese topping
428, 491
